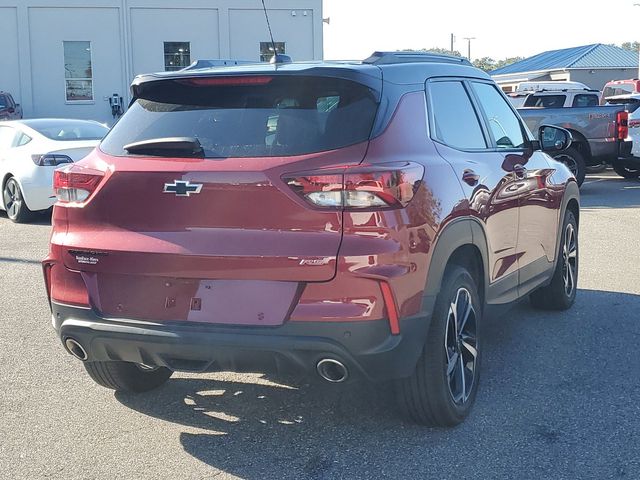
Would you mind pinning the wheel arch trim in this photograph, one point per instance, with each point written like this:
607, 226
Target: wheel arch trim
458, 233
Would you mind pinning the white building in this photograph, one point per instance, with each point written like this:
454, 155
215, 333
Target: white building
65, 58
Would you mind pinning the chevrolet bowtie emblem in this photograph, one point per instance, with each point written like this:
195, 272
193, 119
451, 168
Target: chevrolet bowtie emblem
181, 188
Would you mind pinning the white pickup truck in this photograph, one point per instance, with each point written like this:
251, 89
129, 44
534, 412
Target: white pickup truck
583, 97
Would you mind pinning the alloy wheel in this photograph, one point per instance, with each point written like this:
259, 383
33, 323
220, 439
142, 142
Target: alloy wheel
570, 162
12, 198
461, 347
569, 260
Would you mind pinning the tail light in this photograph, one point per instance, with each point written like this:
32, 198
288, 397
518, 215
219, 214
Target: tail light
50, 160
622, 123
376, 187
75, 184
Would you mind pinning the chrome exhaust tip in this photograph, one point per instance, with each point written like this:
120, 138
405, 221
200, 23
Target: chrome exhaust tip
332, 370
75, 349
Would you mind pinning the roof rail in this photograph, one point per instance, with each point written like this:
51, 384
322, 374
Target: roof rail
390, 58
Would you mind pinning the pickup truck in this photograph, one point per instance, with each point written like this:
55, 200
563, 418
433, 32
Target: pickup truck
9, 109
599, 133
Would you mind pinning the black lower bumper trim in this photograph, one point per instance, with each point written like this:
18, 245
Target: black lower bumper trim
366, 348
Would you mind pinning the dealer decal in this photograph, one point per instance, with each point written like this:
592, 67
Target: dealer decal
87, 258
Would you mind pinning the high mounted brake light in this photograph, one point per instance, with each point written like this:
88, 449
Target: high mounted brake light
372, 187
75, 184
224, 81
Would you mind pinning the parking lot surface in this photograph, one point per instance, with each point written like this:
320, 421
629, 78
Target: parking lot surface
558, 396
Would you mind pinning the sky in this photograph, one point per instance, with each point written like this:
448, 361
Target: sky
502, 28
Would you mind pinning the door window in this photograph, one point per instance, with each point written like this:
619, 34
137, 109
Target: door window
502, 121
456, 122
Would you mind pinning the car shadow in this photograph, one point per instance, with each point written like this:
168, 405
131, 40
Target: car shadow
255, 426
608, 190
38, 218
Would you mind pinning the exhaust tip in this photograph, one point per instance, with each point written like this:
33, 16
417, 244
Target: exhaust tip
75, 349
332, 370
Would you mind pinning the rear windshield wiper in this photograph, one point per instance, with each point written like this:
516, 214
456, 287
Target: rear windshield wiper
167, 147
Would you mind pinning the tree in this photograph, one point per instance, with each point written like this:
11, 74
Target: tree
633, 46
485, 63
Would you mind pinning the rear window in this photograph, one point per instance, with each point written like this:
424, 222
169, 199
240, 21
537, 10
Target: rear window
240, 117
545, 101
585, 100
68, 130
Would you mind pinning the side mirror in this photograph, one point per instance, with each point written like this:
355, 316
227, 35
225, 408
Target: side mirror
554, 139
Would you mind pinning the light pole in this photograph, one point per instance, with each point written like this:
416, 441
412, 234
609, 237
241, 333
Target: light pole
468, 39
638, 5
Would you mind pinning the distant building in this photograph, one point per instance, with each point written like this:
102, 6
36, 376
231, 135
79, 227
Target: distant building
594, 65
66, 58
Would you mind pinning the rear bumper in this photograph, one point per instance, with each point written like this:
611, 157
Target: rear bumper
366, 348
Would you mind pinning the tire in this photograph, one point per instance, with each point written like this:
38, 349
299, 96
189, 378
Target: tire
435, 395
574, 160
596, 168
557, 295
14, 203
624, 171
127, 377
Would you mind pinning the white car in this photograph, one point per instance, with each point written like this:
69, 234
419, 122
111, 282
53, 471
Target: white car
30, 150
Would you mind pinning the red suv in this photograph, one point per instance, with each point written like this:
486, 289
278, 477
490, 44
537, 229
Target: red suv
353, 220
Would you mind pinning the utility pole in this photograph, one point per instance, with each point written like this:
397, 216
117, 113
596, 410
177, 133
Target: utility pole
638, 5
468, 39
452, 40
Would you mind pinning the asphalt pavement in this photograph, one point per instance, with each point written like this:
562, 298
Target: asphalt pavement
558, 396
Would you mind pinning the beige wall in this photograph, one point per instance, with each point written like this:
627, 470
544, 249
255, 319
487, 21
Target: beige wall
127, 38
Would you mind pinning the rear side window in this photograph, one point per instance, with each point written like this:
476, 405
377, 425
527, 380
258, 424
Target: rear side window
456, 122
503, 123
545, 101
619, 89
4, 101
584, 100
258, 116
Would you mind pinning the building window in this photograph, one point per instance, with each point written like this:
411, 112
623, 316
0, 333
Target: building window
266, 50
177, 55
78, 73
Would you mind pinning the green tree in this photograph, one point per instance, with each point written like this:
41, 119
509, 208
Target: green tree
507, 61
633, 46
485, 63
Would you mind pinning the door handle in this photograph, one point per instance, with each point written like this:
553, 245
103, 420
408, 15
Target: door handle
519, 170
470, 177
